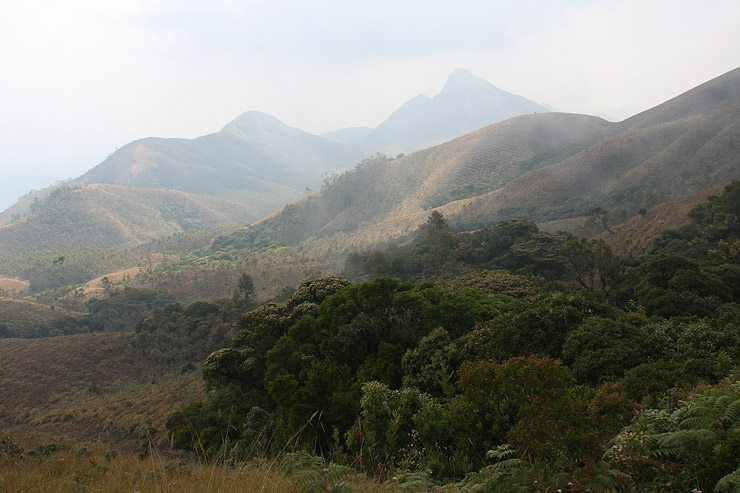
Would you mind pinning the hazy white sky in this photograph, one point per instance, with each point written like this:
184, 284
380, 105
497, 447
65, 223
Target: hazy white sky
81, 77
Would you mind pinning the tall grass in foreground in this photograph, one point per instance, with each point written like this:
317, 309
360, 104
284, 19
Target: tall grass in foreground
54, 468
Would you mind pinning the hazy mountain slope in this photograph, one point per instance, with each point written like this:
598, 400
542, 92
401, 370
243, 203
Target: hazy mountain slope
102, 216
254, 152
154, 187
684, 146
384, 197
547, 167
350, 135
466, 103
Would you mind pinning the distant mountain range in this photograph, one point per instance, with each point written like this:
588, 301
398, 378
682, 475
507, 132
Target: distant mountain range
559, 169
466, 103
253, 166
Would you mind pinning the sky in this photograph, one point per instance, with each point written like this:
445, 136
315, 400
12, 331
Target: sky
80, 78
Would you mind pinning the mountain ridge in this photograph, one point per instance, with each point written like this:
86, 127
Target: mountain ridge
252, 166
547, 167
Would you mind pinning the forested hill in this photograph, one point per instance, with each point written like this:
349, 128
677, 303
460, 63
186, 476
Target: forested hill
572, 172
566, 368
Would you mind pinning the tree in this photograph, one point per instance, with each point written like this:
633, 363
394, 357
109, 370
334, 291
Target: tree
592, 264
244, 291
602, 348
435, 241
5, 331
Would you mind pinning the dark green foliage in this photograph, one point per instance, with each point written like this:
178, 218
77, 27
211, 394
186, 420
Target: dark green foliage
671, 285
541, 325
5, 331
603, 349
231, 422
121, 311
430, 365
516, 245
175, 335
124, 309
55, 273
511, 383
695, 446
714, 231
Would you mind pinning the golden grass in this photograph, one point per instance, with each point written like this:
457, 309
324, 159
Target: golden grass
95, 469
94, 288
135, 408
99, 380
69, 471
13, 284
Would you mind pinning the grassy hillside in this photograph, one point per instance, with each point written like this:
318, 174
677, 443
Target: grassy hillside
254, 152
115, 217
22, 316
547, 167
97, 380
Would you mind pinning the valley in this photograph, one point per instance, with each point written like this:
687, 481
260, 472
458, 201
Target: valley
478, 294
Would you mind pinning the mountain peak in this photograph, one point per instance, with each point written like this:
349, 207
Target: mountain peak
252, 120
462, 79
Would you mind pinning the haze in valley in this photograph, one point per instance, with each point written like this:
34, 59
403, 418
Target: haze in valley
83, 78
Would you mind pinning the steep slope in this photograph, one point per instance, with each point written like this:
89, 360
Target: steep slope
154, 187
549, 167
102, 216
382, 198
466, 103
254, 152
683, 146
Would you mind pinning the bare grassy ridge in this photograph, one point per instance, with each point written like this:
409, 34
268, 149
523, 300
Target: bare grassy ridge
105, 216
545, 167
10, 284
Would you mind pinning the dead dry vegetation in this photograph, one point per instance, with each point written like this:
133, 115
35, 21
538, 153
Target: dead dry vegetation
97, 379
40, 465
23, 315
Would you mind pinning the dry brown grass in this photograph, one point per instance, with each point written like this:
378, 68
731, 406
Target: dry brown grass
132, 409
13, 284
636, 235
94, 288
96, 379
95, 469
23, 315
